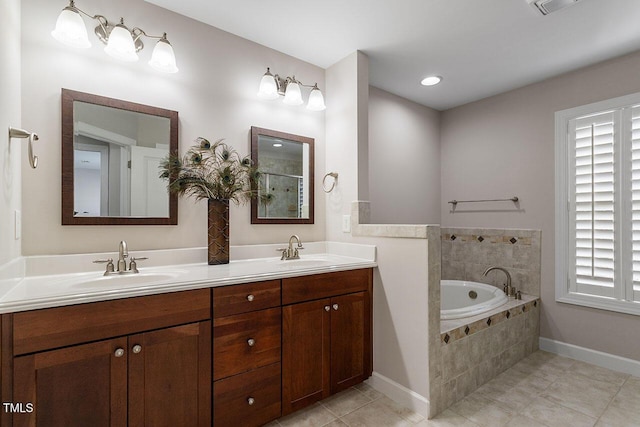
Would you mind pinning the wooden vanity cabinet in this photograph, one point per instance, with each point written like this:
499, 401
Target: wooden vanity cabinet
247, 339
250, 353
326, 335
137, 361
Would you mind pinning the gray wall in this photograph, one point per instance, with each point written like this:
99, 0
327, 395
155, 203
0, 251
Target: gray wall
10, 151
504, 146
404, 160
214, 93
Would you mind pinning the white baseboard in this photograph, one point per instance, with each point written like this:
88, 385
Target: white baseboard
400, 394
598, 358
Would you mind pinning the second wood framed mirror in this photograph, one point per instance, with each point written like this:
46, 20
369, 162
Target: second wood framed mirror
286, 165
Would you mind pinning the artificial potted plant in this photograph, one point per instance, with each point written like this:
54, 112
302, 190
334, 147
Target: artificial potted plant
217, 173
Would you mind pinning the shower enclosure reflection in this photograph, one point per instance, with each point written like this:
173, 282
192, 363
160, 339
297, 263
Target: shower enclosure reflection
286, 165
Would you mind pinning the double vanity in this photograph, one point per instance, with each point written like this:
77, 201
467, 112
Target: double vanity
172, 341
234, 345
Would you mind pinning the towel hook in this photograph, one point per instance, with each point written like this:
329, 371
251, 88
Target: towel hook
20, 133
333, 175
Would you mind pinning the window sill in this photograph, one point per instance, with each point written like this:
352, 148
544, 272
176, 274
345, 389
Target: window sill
602, 303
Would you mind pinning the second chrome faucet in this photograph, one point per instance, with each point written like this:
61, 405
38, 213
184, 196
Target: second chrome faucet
291, 252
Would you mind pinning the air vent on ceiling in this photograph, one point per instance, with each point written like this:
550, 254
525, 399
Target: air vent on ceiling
549, 6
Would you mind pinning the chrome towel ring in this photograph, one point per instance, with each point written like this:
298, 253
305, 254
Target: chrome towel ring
333, 175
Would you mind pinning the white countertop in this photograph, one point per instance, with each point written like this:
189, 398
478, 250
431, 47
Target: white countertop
44, 291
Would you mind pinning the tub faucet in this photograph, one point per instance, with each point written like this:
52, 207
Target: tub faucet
509, 289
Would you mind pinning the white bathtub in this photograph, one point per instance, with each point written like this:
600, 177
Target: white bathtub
457, 298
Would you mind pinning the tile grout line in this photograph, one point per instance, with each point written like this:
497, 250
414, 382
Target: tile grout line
611, 400
567, 372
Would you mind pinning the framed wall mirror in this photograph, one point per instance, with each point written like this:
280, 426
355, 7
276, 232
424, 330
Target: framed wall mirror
286, 165
111, 151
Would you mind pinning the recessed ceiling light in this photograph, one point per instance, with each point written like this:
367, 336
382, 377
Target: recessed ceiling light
431, 80
277, 144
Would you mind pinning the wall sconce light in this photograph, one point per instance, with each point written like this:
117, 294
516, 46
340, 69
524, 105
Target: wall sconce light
273, 86
121, 43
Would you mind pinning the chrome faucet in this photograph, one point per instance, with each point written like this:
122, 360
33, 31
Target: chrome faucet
508, 289
291, 252
123, 254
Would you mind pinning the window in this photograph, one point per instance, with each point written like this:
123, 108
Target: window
598, 205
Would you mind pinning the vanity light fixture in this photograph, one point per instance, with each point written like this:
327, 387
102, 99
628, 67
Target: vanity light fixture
431, 81
273, 86
121, 42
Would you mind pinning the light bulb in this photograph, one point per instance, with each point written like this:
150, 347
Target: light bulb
163, 59
316, 100
70, 28
431, 80
120, 45
268, 87
292, 95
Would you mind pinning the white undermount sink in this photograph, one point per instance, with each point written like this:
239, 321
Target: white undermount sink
306, 262
128, 279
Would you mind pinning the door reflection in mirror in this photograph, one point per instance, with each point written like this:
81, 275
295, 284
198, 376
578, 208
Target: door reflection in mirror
116, 159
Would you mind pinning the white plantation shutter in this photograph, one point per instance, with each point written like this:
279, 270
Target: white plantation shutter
634, 175
594, 201
598, 179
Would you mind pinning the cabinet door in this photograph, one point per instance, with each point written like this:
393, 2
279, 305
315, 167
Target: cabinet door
305, 354
170, 376
83, 385
350, 340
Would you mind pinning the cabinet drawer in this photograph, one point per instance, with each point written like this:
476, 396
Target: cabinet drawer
246, 341
62, 326
306, 288
236, 299
231, 398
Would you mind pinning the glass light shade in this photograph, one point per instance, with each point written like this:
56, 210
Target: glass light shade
316, 100
268, 87
70, 29
120, 45
292, 95
163, 58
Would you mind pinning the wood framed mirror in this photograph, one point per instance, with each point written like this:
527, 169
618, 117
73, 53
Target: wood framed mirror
111, 150
285, 162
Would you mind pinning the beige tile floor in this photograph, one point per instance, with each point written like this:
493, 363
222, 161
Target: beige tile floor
541, 390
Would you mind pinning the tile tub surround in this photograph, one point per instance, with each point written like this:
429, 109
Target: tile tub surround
475, 350
467, 252
457, 328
